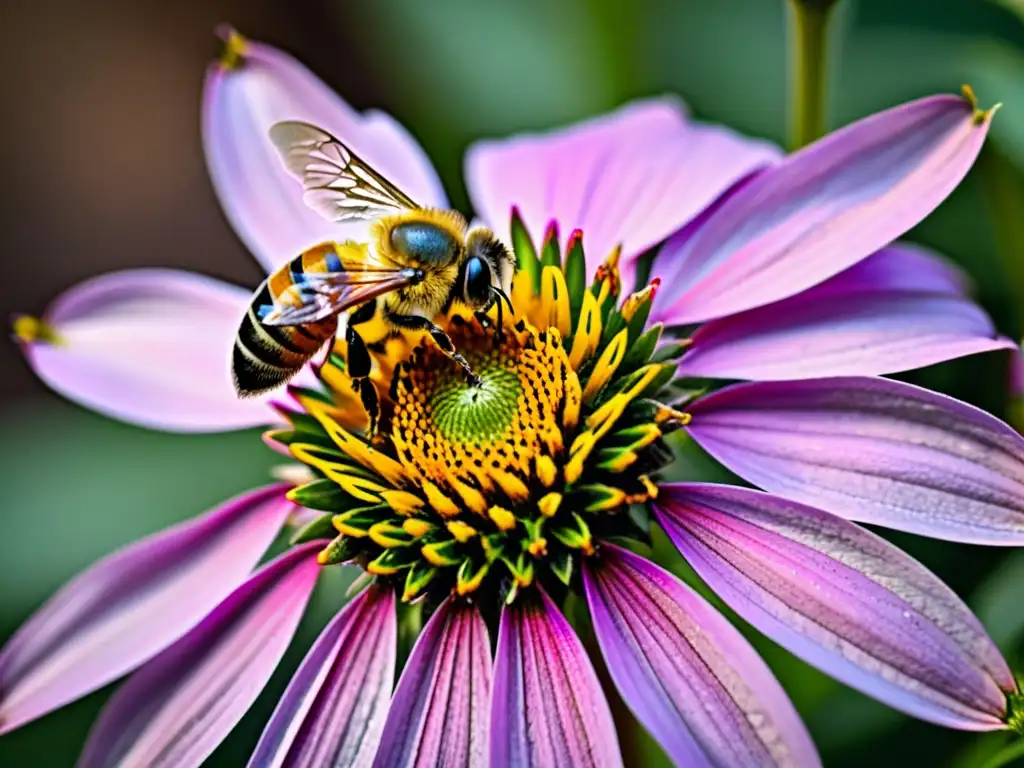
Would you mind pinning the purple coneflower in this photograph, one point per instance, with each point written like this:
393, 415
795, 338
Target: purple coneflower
486, 508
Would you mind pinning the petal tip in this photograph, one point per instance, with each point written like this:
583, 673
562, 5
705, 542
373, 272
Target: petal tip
28, 329
235, 47
981, 116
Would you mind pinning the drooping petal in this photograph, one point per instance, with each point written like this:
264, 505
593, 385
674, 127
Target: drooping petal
133, 604
439, 713
546, 701
895, 311
631, 177
901, 267
334, 709
873, 450
690, 678
843, 599
256, 86
147, 346
177, 708
821, 210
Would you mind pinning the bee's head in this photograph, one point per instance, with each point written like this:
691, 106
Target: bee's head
483, 269
476, 281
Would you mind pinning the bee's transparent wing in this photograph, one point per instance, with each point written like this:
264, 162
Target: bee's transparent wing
338, 184
322, 294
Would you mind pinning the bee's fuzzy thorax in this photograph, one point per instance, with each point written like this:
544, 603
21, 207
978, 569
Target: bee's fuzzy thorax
451, 222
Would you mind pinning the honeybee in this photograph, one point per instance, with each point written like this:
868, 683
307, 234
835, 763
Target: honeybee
417, 264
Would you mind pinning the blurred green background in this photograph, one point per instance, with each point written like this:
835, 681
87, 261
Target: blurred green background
103, 170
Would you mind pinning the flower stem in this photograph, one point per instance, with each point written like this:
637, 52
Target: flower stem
1007, 755
808, 75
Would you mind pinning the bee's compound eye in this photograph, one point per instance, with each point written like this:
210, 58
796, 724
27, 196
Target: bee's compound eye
478, 281
423, 243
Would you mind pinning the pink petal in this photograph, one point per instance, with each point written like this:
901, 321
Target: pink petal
631, 177
334, 709
821, 210
151, 347
177, 708
901, 267
263, 203
895, 311
872, 450
439, 714
686, 673
133, 604
842, 599
547, 706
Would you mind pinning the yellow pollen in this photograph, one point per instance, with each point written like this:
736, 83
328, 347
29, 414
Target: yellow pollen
340, 525
607, 276
650, 486
471, 497
235, 46
547, 472
548, 505
416, 527
379, 569
636, 300
502, 518
384, 534
538, 547
665, 413
402, 502
439, 501
612, 499
462, 532
554, 299
606, 365
524, 578
434, 555
621, 462
30, 330
466, 583
460, 444
588, 332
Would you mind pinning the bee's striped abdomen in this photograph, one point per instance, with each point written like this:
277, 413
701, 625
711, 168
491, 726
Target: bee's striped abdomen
265, 356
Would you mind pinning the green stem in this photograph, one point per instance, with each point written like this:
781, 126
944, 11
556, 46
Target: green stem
1006, 755
808, 74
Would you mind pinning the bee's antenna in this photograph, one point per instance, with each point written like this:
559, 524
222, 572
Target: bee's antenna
501, 293
500, 334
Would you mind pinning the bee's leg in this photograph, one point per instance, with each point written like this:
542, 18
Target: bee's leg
444, 343
359, 362
368, 394
359, 367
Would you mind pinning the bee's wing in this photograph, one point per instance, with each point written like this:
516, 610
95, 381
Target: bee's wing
323, 294
338, 184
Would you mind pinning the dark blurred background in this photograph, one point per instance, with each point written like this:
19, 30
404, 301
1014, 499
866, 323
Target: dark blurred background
102, 169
